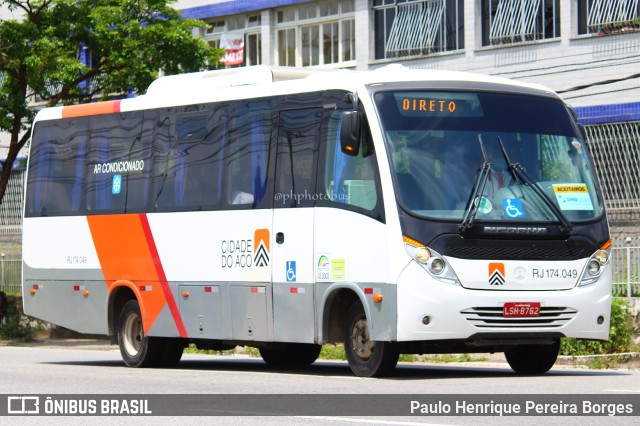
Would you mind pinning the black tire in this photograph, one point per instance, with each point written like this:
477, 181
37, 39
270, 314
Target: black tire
291, 355
137, 350
366, 358
533, 359
171, 352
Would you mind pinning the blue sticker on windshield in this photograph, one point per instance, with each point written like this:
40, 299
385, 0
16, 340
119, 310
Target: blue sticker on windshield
513, 208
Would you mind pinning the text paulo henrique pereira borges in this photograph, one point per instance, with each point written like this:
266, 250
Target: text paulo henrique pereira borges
529, 408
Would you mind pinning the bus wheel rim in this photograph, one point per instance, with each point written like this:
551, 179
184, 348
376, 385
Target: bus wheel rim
133, 335
360, 341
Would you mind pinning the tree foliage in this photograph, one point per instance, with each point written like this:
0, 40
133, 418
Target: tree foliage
70, 51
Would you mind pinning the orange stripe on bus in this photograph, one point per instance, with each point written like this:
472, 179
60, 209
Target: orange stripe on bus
164, 284
94, 108
121, 245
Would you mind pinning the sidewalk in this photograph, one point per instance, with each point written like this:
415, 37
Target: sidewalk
93, 344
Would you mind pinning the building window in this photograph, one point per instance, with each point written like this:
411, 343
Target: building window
417, 27
287, 47
216, 27
249, 25
316, 33
253, 49
603, 17
519, 21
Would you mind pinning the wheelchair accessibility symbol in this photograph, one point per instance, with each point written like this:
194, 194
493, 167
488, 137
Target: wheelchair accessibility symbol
513, 208
291, 271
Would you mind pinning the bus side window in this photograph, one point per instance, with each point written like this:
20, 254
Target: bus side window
119, 162
246, 154
350, 181
56, 176
298, 133
198, 159
163, 165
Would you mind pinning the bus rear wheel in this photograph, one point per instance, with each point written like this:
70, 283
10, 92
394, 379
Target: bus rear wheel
291, 355
366, 358
171, 352
533, 359
137, 350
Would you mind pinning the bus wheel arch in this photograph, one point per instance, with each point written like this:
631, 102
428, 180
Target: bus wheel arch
119, 296
334, 311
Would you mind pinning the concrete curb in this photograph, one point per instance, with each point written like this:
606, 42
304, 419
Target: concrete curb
629, 360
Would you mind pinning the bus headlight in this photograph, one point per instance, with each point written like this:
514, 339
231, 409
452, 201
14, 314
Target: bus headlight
596, 264
431, 261
422, 255
437, 266
593, 267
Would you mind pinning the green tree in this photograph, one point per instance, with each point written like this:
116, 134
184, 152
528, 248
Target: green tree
43, 56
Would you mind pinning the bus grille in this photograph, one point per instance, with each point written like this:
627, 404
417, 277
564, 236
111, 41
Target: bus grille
550, 317
516, 253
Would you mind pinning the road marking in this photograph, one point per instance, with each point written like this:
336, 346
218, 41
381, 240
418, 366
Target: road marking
367, 421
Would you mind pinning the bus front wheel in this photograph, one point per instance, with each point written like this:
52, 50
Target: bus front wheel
533, 359
366, 358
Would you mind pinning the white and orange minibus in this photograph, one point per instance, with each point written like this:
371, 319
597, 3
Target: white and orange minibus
395, 211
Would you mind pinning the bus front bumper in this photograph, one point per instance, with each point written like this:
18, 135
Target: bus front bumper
432, 310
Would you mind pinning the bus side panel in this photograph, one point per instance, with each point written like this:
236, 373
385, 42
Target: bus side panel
293, 313
351, 253
218, 268
201, 309
56, 249
79, 305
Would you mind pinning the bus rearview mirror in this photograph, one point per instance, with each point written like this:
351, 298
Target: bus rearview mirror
350, 132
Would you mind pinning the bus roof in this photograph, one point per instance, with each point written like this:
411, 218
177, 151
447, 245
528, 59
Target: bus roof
261, 80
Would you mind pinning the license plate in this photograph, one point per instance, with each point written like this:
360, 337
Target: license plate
521, 309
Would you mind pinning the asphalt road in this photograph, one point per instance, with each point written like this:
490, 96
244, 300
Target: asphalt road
100, 371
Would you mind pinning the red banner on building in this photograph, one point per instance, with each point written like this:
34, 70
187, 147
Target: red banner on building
233, 44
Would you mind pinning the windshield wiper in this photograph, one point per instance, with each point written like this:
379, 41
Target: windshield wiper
482, 176
520, 174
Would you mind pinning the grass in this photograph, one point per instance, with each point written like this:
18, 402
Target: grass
240, 350
446, 358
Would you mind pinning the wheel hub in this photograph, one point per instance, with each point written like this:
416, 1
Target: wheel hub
133, 335
360, 341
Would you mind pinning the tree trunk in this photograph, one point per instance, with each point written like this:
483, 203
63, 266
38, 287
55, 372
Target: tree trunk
14, 148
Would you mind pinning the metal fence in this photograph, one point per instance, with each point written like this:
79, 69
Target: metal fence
11, 206
10, 274
625, 261
609, 13
615, 148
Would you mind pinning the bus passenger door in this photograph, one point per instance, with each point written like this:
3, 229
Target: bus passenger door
293, 218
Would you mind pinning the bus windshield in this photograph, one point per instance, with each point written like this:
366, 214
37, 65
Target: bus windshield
499, 156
